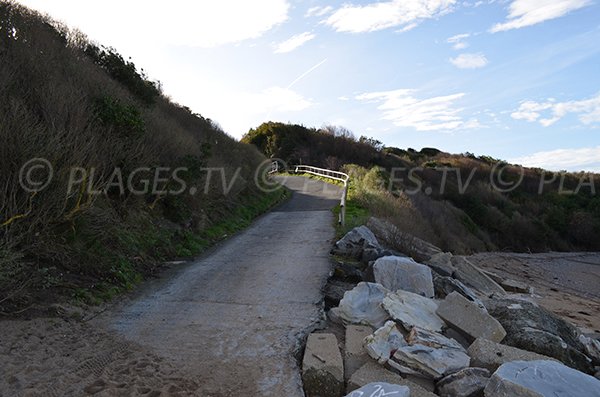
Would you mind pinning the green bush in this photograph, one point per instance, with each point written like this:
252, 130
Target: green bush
123, 118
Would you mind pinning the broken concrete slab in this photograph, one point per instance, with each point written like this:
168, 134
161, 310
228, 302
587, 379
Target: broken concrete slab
428, 361
468, 382
322, 367
395, 273
372, 372
540, 379
384, 342
381, 389
469, 319
420, 336
355, 242
362, 305
355, 355
491, 355
474, 277
413, 310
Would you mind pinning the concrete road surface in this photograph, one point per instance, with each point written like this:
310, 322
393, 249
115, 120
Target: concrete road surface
233, 318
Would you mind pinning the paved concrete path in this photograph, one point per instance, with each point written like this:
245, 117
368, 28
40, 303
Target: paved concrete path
234, 317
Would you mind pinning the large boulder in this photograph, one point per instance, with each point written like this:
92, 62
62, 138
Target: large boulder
362, 305
322, 367
444, 286
491, 355
404, 242
533, 328
381, 389
442, 264
428, 361
474, 277
383, 342
355, 242
540, 379
394, 273
468, 382
469, 319
413, 310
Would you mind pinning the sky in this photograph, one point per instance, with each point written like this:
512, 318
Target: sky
517, 80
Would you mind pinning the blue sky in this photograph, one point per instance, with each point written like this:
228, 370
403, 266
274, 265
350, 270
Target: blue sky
514, 79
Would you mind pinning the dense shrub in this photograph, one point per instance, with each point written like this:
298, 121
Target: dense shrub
447, 199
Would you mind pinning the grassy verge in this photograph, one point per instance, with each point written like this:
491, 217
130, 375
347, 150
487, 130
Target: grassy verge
144, 250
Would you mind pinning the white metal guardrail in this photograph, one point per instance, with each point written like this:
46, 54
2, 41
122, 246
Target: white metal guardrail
325, 173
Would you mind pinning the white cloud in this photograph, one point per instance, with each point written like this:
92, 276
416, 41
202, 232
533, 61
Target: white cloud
386, 14
587, 159
469, 61
318, 11
294, 42
431, 114
587, 109
524, 13
458, 42
206, 23
250, 108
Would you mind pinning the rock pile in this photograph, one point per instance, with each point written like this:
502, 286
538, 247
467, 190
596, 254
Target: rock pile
444, 327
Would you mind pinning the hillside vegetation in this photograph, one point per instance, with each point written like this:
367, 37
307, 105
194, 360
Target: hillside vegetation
99, 120
462, 203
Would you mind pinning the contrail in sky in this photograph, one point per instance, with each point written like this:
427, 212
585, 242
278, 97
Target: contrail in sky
303, 75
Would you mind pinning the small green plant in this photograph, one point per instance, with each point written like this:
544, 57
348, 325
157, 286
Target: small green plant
123, 118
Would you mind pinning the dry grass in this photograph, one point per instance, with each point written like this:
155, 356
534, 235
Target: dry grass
50, 91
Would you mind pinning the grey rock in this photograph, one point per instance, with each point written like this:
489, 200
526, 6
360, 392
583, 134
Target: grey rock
372, 254
469, 382
592, 348
491, 355
428, 361
372, 372
322, 367
362, 305
420, 336
540, 379
533, 328
380, 389
444, 286
469, 319
355, 355
404, 242
413, 310
334, 291
442, 264
472, 276
515, 286
383, 342
350, 272
355, 242
394, 273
